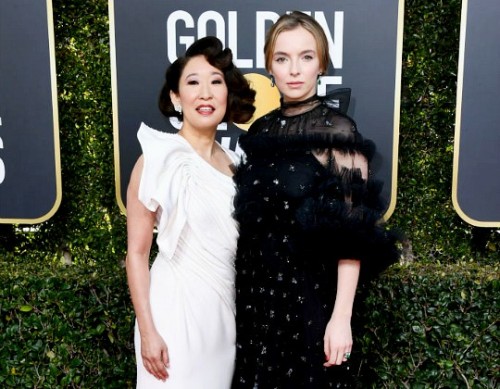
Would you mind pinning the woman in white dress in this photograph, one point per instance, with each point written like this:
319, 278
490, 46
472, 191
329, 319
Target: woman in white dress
182, 186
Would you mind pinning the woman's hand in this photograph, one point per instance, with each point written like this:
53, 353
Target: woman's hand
337, 341
155, 355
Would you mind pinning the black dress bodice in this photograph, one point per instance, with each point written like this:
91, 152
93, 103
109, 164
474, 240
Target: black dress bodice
283, 186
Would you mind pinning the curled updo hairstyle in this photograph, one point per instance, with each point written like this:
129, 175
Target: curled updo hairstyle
240, 96
291, 21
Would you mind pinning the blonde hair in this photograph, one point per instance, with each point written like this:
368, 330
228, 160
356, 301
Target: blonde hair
291, 21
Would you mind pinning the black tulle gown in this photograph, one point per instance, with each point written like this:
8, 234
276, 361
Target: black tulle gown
295, 224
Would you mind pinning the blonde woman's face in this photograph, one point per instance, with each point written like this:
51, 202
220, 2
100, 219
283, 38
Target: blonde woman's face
295, 64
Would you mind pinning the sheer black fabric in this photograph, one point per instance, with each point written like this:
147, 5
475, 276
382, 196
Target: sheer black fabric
300, 210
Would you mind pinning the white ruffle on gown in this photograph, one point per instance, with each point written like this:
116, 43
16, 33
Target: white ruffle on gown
192, 277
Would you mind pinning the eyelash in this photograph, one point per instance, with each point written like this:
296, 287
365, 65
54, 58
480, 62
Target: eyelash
283, 59
194, 82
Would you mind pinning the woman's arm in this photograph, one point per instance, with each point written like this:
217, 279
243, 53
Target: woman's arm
140, 225
338, 334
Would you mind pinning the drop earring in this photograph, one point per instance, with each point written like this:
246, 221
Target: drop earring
319, 79
178, 108
272, 81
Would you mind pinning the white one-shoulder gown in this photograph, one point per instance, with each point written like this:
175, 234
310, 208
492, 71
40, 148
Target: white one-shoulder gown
192, 277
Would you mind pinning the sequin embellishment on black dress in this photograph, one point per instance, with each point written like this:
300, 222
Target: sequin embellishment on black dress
295, 224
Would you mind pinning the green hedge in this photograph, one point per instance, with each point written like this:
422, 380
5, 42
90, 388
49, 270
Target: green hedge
65, 327
434, 326
89, 226
426, 326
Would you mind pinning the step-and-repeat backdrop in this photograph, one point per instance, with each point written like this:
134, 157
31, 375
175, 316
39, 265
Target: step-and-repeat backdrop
365, 45
365, 39
476, 167
30, 174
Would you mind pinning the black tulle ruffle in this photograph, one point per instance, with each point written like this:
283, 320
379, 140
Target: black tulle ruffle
335, 230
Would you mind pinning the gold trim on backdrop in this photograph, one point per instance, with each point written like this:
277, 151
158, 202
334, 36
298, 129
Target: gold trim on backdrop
458, 121
55, 118
397, 113
114, 94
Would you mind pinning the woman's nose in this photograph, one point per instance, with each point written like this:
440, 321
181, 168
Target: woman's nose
206, 91
294, 68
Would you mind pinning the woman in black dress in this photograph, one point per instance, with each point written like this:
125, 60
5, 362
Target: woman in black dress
310, 224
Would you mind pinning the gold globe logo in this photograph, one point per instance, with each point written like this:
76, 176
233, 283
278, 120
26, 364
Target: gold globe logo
267, 97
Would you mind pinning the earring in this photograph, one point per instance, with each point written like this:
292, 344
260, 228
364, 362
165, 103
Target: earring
178, 108
319, 79
272, 81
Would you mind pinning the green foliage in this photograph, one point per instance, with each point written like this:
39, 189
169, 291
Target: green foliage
432, 323
65, 327
434, 326
88, 227
424, 209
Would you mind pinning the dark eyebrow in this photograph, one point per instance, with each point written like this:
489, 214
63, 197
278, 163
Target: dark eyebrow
310, 51
214, 73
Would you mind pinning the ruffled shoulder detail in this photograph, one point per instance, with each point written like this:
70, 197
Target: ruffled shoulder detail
320, 129
163, 153
168, 167
336, 230
173, 176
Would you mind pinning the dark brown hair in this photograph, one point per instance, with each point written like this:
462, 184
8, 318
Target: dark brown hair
240, 96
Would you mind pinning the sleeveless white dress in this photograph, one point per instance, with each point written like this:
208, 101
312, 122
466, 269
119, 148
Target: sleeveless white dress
192, 278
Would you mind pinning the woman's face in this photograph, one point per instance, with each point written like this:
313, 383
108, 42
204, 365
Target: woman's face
202, 95
295, 64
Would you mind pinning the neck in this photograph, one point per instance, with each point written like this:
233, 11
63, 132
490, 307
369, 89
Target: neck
309, 99
203, 143
293, 108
